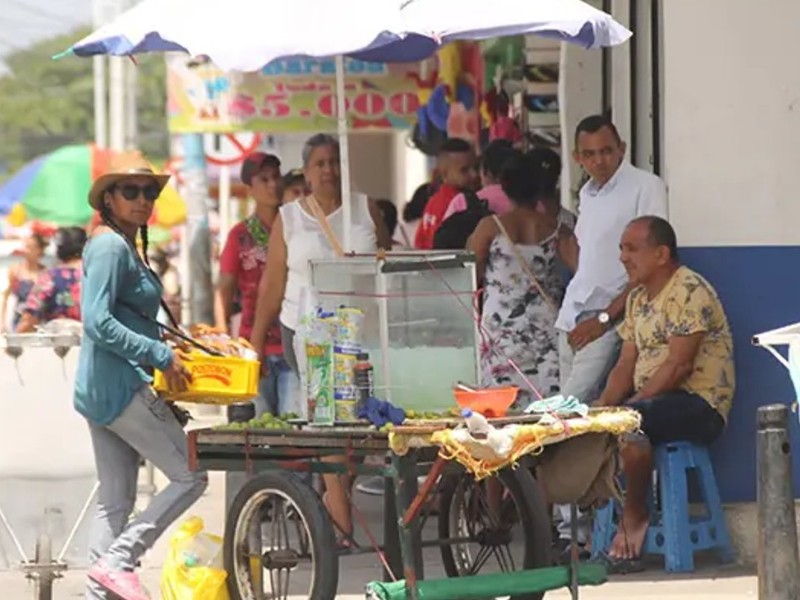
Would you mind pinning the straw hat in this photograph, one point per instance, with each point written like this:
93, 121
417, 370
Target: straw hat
123, 165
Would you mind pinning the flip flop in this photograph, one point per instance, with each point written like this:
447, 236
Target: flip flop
346, 544
620, 566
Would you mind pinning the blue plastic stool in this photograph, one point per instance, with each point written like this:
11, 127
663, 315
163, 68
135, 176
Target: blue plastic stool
672, 532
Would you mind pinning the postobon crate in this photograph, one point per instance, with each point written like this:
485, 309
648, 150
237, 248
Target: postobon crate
215, 380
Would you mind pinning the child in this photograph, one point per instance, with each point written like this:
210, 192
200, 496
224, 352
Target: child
457, 166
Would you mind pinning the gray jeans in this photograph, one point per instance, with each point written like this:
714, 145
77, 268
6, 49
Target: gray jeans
148, 429
583, 373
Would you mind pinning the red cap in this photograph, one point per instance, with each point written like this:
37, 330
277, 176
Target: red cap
255, 162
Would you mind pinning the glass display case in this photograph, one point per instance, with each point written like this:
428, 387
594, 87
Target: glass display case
420, 325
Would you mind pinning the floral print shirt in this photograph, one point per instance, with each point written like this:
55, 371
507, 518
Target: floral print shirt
56, 295
688, 305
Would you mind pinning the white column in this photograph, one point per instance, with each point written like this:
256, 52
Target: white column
580, 94
621, 73
643, 94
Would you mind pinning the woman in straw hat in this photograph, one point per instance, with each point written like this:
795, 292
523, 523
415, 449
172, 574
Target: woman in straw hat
121, 346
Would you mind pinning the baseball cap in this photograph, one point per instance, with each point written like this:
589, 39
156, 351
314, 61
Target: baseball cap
255, 162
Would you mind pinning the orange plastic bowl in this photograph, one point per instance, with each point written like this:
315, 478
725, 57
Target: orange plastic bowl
491, 402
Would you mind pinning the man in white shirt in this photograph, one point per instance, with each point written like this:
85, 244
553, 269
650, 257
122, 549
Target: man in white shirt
616, 193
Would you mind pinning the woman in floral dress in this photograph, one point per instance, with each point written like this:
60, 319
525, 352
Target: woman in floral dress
518, 344
57, 292
21, 278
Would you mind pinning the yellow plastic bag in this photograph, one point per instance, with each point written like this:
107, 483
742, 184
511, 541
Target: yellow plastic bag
193, 567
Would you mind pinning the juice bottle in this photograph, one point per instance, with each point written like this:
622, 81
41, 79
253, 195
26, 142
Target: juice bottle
363, 379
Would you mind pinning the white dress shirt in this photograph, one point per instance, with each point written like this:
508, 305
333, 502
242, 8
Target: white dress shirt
604, 213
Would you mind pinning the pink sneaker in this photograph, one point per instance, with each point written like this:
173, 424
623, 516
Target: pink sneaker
123, 584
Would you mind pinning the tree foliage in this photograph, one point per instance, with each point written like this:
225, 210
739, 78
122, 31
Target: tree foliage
46, 103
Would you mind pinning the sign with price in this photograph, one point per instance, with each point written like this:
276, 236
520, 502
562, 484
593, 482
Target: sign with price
291, 96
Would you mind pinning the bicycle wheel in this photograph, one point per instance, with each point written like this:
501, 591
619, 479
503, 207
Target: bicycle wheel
500, 518
278, 541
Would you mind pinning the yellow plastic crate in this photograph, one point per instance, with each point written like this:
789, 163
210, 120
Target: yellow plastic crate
215, 380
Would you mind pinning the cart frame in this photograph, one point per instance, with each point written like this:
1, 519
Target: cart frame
303, 450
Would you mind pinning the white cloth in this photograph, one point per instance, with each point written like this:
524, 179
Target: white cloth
604, 213
305, 241
794, 366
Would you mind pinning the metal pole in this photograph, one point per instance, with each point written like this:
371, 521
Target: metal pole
116, 93
131, 107
195, 194
100, 114
344, 152
116, 105
224, 202
131, 94
100, 88
778, 563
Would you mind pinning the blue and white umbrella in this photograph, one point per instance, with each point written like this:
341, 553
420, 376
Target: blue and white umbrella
567, 20
245, 35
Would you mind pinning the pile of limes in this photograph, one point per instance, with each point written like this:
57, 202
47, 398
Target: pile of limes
265, 421
432, 415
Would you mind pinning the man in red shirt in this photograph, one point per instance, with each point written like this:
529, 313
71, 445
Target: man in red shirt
241, 266
457, 166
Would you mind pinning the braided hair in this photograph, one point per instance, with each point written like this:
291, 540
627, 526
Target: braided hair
108, 221
144, 260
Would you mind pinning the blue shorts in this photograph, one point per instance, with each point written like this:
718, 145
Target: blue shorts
678, 417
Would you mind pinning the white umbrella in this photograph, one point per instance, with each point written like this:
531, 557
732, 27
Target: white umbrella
569, 20
245, 35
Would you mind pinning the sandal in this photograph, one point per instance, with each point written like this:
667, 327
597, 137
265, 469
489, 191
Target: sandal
620, 566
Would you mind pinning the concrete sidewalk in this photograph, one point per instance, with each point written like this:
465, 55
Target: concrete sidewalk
710, 583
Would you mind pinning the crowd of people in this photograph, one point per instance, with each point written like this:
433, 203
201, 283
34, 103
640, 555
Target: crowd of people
596, 306
43, 294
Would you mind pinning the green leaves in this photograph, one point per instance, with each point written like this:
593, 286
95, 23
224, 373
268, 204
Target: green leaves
46, 103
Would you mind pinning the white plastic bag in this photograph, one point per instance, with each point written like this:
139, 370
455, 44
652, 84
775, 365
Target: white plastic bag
308, 308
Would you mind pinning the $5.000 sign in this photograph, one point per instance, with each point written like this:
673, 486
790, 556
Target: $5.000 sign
291, 96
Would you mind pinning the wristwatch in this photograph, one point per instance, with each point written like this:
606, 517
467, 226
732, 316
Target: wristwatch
604, 318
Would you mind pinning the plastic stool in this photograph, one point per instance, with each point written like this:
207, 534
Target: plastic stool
672, 532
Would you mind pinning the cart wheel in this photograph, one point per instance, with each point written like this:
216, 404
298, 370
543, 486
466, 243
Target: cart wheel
279, 541
500, 523
44, 556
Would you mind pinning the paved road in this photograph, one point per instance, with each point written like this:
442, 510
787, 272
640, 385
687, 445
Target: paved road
710, 583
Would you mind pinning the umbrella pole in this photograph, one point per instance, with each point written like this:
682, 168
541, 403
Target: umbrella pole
344, 152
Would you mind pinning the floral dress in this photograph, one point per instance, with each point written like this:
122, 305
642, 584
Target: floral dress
21, 289
56, 295
518, 324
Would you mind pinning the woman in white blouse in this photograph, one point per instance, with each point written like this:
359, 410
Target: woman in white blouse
299, 236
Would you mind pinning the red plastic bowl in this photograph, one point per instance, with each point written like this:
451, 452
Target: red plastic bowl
491, 402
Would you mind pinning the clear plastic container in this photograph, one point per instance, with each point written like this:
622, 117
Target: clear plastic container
419, 325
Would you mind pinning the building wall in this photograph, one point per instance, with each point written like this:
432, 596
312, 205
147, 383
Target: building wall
371, 159
731, 101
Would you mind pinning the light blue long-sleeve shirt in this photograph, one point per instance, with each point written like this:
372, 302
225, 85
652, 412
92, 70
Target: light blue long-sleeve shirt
117, 341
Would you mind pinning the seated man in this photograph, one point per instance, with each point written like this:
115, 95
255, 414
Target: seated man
675, 367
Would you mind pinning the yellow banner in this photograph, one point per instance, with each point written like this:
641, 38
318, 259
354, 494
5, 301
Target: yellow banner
289, 96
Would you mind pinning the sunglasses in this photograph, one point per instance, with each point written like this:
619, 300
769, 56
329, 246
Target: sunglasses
131, 191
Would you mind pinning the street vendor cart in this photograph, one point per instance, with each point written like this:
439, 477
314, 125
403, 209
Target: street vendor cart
417, 324
291, 555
